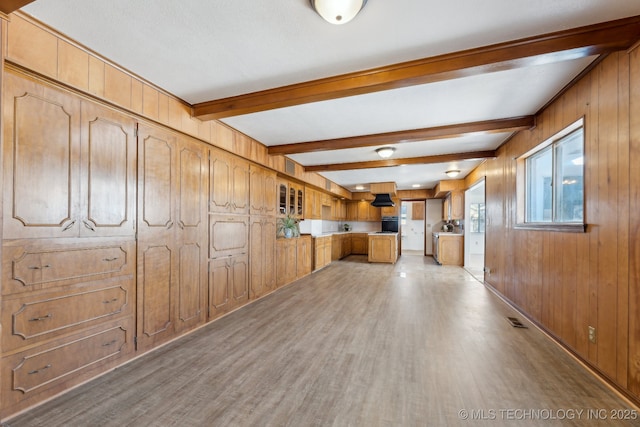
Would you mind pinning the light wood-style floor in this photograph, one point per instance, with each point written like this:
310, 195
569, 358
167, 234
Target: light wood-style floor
356, 344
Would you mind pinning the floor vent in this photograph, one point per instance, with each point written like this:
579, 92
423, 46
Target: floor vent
515, 322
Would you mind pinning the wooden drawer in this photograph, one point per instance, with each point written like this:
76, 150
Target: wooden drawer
229, 235
35, 318
34, 375
40, 265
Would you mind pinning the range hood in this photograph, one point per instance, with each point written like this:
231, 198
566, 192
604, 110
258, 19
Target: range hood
383, 192
382, 200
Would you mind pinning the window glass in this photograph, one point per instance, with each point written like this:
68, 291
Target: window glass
570, 186
539, 173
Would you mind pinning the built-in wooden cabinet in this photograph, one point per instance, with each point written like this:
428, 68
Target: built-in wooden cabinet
453, 205
450, 249
391, 210
322, 251
262, 254
172, 239
363, 211
229, 183
228, 284
294, 259
263, 191
72, 172
383, 248
68, 251
291, 199
359, 243
313, 203
417, 211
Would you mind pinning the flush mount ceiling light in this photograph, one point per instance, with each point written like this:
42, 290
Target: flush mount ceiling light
338, 11
453, 173
385, 152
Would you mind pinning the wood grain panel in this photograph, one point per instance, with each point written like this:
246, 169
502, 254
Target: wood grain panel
32, 47
73, 65
634, 226
136, 96
149, 102
117, 86
96, 76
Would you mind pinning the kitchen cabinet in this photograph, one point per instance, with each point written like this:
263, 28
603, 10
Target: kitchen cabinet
363, 211
417, 211
313, 203
262, 253
453, 205
71, 172
322, 251
450, 248
290, 199
391, 210
294, 259
359, 243
228, 284
383, 248
229, 183
172, 223
262, 191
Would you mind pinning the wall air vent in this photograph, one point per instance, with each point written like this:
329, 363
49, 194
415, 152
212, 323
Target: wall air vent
289, 167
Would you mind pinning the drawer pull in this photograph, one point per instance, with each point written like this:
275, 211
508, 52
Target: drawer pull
88, 225
38, 319
110, 259
107, 344
35, 371
35, 267
68, 226
109, 301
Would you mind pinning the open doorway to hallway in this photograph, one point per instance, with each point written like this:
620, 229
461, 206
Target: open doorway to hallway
475, 230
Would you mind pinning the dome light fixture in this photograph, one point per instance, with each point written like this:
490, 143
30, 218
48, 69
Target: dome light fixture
337, 11
452, 173
385, 152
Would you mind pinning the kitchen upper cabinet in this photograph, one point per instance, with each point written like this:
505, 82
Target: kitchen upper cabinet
457, 205
453, 206
71, 172
172, 238
312, 203
263, 191
417, 210
229, 183
363, 211
291, 199
391, 210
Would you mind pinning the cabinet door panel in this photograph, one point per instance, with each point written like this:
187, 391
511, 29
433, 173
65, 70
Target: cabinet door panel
240, 187
220, 185
191, 286
108, 173
157, 187
156, 287
229, 235
219, 287
240, 274
41, 156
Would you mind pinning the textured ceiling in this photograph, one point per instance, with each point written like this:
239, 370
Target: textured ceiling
204, 50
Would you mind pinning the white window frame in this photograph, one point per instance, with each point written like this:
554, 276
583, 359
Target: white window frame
521, 185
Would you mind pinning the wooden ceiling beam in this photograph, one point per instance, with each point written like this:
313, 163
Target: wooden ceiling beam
443, 158
512, 124
547, 48
8, 6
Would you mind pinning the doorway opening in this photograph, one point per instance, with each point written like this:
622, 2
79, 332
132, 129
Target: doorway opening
474, 232
412, 227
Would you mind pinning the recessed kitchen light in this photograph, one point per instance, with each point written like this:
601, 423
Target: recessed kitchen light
359, 187
416, 185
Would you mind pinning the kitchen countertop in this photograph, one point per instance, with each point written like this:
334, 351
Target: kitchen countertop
447, 233
331, 233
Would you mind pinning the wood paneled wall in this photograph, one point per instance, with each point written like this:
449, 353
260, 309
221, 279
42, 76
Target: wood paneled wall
567, 282
32, 45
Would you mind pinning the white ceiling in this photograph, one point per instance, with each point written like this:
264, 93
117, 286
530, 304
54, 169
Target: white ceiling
203, 50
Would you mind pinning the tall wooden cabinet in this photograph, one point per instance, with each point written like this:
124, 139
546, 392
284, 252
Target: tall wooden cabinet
68, 250
172, 235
